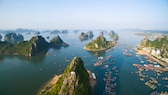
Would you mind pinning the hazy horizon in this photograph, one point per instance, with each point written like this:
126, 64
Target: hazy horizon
75, 14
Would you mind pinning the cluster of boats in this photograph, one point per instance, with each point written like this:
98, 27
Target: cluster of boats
110, 76
110, 83
105, 62
127, 49
150, 65
159, 93
99, 61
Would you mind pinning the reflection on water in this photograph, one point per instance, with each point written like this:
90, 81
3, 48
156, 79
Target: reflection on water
97, 53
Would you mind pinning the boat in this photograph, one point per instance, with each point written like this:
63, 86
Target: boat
152, 86
108, 57
93, 76
165, 78
99, 62
141, 79
101, 57
105, 66
142, 61
108, 50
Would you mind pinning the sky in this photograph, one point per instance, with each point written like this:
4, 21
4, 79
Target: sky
84, 14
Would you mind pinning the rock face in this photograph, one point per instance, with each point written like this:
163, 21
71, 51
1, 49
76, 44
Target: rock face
35, 46
74, 81
0, 37
13, 38
99, 44
86, 36
39, 45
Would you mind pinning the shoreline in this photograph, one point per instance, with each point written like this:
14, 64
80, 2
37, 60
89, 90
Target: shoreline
96, 50
49, 84
142, 52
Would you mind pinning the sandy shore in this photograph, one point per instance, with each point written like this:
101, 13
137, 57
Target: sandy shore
141, 52
50, 83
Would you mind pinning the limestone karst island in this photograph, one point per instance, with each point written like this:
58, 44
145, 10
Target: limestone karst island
99, 44
36, 45
74, 81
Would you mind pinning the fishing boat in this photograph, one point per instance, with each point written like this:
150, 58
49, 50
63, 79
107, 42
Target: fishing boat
165, 78
108, 50
98, 63
108, 57
152, 86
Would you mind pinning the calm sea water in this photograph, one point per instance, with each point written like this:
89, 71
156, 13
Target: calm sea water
21, 75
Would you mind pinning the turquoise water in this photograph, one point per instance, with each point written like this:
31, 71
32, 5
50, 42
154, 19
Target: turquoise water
21, 75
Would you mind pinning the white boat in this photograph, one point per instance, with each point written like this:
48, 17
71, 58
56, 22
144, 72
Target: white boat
94, 76
101, 57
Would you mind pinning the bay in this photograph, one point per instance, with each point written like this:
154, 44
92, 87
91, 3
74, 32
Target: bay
21, 75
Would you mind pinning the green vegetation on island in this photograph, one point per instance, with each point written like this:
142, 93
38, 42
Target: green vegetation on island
85, 36
74, 81
113, 35
160, 43
36, 45
100, 43
13, 38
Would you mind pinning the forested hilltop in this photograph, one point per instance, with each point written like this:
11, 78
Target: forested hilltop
36, 45
100, 43
74, 81
159, 43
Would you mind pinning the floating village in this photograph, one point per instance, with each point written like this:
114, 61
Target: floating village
150, 71
111, 73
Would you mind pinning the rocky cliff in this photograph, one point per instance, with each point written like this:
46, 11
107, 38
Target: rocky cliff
57, 42
74, 81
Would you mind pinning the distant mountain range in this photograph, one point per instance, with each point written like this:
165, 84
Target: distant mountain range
21, 30
36, 45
